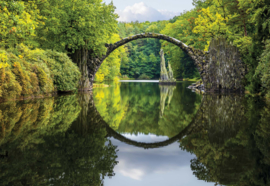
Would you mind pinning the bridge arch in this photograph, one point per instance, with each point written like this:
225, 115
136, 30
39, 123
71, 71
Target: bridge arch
189, 50
221, 68
199, 57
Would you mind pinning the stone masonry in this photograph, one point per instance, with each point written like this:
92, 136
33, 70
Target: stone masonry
221, 68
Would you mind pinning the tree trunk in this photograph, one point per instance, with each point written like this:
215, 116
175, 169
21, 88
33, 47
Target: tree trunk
81, 57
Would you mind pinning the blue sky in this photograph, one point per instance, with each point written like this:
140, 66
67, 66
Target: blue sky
149, 10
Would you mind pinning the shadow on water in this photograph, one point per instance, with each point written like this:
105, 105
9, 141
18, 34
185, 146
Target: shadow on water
61, 141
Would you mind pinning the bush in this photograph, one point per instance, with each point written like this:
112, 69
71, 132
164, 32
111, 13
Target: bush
9, 87
144, 76
66, 74
125, 77
32, 72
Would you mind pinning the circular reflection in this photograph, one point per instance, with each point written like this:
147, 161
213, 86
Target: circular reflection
137, 110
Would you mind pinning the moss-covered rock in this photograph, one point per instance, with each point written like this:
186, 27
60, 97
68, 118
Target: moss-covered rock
163, 70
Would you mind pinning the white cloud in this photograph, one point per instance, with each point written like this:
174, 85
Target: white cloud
135, 174
141, 12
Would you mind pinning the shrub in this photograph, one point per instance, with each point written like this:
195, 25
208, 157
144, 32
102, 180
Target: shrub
125, 77
9, 87
23, 78
62, 71
32, 73
144, 76
35, 72
66, 74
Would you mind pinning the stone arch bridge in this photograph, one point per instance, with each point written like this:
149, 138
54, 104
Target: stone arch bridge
221, 68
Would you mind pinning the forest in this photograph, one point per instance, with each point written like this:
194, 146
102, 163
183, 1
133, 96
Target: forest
39, 40
245, 24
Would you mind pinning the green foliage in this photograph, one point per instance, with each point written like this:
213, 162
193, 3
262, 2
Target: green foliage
110, 67
261, 20
73, 25
52, 66
29, 78
263, 68
17, 23
76, 24
35, 72
182, 29
143, 76
65, 73
143, 54
244, 23
9, 87
62, 26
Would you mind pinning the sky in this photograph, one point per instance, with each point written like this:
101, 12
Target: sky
149, 10
152, 167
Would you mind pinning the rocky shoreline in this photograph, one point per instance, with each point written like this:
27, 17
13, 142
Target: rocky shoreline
197, 87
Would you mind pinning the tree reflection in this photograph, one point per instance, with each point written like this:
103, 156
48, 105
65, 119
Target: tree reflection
47, 149
227, 150
137, 109
109, 104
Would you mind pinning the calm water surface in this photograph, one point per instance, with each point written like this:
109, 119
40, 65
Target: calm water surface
136, 133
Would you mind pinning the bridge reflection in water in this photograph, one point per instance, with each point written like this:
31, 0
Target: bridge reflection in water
40, 140
219, 115
225, 135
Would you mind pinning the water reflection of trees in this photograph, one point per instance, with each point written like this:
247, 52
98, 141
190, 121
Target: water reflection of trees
26, 122
45, 148
233, 148
137, 108
109, 104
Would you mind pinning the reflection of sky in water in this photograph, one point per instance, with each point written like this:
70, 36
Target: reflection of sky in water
158, 167
150, 138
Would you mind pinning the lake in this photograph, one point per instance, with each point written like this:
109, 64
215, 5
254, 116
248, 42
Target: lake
136, 133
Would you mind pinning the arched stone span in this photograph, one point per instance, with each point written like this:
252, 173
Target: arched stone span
198, 56
221, 68
189, 50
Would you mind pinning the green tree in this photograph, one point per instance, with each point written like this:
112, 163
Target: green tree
78, 27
